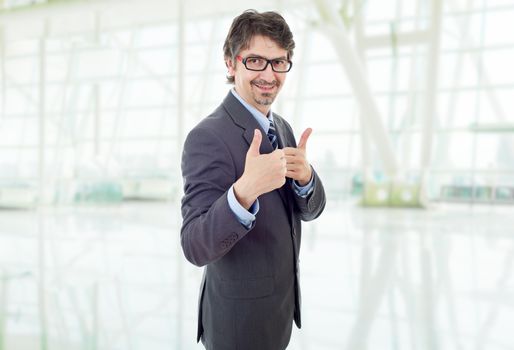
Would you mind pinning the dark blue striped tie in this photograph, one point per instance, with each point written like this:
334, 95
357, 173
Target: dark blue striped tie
272, 135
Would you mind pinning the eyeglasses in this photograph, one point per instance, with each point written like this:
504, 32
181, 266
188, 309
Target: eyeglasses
258, 64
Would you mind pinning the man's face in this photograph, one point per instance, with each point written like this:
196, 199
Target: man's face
259, 89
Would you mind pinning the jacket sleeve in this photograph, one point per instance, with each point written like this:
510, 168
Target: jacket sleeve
312, 206
209, 227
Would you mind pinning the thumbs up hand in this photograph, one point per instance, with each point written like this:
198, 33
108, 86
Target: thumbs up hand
263, 173
298, 168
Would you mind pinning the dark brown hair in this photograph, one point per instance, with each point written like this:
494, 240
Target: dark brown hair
251, 23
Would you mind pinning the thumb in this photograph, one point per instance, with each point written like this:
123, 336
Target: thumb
303, 139
256, 143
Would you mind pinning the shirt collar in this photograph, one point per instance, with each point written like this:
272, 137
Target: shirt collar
261, 118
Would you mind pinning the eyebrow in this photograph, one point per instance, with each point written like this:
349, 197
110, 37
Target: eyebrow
260, 56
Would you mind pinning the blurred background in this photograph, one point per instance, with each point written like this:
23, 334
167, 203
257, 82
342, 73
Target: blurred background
412, 106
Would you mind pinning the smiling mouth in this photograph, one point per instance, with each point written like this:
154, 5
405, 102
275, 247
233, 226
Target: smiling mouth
265, 88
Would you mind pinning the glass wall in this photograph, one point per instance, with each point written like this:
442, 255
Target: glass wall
92, 113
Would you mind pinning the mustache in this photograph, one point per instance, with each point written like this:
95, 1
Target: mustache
265, 83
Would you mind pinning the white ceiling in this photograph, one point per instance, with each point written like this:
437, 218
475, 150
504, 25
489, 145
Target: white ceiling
68, 16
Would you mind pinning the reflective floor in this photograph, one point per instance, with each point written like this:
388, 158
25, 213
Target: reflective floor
113, 277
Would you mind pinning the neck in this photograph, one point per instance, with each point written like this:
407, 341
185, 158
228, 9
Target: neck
264, 111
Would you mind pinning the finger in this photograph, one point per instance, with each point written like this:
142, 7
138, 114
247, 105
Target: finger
291, 159
292, 174
294, 162
303, 139
293, 167
290, 150
298, 156
256, 143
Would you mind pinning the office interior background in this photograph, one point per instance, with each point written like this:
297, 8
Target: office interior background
411, 102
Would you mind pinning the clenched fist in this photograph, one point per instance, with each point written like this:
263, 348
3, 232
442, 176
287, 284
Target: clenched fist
263, 173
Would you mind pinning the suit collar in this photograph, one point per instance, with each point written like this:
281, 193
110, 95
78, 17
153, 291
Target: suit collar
262, 119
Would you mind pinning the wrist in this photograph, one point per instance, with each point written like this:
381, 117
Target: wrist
243, 196
305, 181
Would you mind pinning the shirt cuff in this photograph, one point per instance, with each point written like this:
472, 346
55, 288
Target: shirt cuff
304, 191
245, 217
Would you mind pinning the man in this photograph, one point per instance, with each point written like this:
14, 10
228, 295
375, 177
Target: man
245, 194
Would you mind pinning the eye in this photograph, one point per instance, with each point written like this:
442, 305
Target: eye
280, 63
254, 60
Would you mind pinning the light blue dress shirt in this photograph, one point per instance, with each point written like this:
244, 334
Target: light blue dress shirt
247, 217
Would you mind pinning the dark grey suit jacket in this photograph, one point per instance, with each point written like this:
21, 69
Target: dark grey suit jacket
250, 290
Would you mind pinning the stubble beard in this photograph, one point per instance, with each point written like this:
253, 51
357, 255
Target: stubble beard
266, 98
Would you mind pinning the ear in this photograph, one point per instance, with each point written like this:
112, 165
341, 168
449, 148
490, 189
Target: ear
230, 66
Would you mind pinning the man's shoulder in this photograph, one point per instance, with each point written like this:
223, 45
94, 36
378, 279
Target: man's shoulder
228, 113
217, 124
218, 118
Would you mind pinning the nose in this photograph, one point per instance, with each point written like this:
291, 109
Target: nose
268, 74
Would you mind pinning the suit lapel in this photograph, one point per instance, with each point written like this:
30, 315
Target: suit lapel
245, 120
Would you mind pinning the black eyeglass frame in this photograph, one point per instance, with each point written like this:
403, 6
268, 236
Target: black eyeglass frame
268, 62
